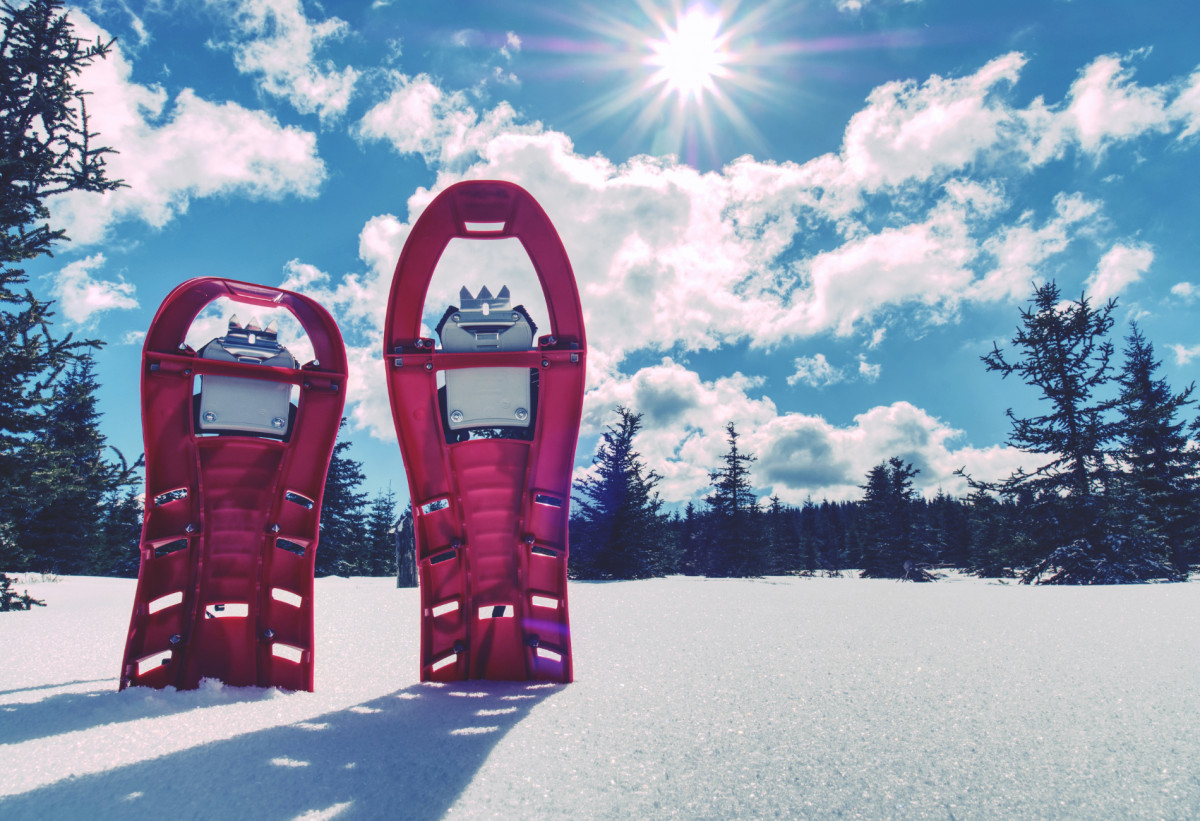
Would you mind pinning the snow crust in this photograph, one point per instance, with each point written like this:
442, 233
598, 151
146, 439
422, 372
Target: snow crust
694, 698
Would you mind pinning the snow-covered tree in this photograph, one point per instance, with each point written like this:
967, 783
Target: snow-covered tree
736, 546
378, 555
343, 519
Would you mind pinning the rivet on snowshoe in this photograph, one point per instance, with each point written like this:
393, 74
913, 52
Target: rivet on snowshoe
187, 371
545, 363
428, 366
459, 647
268, 633
532, 641
183, 346
522, 414
275, 528
209, 416
529, 538
175, 639
191, 528
278, 423
455, 544
457, 416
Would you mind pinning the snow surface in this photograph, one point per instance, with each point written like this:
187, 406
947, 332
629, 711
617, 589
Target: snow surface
694, 698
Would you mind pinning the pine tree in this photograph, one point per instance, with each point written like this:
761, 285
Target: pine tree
1163, 470
808, 535
1064, 353
735, 545
406, 550
379, 556
118, 550
895, 544
343, 519
70, 479
690, 562
617, 532
45, 149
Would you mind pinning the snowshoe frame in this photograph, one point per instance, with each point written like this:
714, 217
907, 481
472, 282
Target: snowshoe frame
234, 601
490, 515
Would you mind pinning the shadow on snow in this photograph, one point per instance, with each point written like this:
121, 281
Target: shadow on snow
406, 755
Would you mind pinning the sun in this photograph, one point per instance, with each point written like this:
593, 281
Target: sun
690, 56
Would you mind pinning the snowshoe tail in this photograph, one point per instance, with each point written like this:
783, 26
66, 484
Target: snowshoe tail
488, 456
234, 477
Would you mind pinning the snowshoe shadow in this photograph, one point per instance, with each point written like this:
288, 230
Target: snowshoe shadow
407, 755
69, 712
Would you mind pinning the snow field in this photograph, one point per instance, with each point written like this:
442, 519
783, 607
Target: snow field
694, 698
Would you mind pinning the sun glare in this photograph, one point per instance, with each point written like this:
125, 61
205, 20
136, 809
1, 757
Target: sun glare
690, 56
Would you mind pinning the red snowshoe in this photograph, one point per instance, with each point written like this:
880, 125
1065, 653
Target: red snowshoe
234, 477
489, 455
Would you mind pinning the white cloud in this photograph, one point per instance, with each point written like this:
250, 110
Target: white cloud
170, 154
1185, 291
133, 338
420, 118
1121, 266
816, 372
683, 437
277, 43
867, 370
512, 44
82, 298
1186, 106
1184, 354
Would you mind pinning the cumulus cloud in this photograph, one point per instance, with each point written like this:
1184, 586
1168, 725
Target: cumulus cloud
1122, 266
418, 117
683, 437
172, 153
667, 258
1184, 354
816, 372
277, 43
1185, 291
84, 298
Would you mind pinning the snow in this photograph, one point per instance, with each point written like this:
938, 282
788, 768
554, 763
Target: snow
694, 698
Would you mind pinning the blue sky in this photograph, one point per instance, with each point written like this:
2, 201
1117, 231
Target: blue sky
811, 222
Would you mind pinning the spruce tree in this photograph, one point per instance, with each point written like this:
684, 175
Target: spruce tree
70, 479
1065, 353
406, 550
1163, 471
736, 546
45, 149
895, 545
617, 532
343, 518
118, 550
379, 556
690, 561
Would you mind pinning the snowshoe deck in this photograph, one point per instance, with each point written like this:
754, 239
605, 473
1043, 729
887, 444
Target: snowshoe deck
234, 478
490, 514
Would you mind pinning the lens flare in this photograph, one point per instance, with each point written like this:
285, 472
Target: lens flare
689, 56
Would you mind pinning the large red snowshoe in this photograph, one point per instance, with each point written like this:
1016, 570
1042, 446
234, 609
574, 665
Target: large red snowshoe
234, 477
489, 455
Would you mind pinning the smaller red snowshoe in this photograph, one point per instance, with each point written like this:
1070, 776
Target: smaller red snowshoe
234, 477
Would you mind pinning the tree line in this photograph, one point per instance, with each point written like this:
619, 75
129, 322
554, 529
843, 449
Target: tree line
1116, 500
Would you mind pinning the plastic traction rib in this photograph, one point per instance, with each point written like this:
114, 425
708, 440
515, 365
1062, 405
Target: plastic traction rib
490, 513
225, 587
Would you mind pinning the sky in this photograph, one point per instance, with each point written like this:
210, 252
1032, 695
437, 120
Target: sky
810, 219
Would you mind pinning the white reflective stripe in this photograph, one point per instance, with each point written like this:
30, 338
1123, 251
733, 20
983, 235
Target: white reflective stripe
153, 661
229, 610
545, 601
166, 601
287, 651
286, 596
445, 662
445, 607
484, 226
496, 611
549, 654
